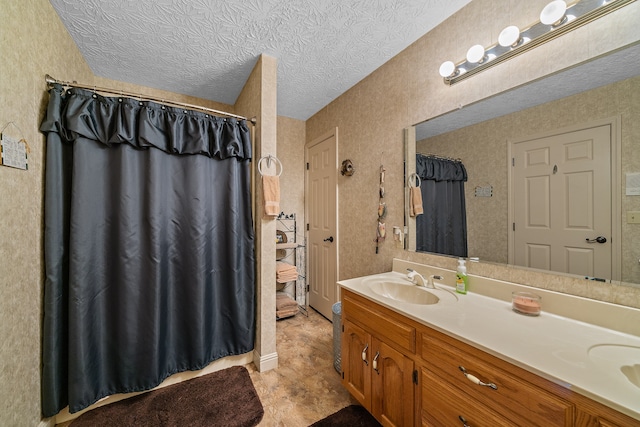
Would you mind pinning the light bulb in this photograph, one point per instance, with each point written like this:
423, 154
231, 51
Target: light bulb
447, 69
553, 13
475, 54
510, 36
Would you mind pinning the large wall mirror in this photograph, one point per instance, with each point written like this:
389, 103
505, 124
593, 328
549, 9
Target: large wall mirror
603, 93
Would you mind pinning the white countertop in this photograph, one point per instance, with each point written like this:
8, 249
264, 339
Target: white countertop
551, 346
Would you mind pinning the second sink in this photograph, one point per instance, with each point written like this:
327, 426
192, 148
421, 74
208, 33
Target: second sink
622, 357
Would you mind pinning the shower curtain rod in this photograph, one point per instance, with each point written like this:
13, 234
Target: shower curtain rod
50, 81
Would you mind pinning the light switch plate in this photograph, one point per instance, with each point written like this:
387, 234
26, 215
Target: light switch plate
633, 217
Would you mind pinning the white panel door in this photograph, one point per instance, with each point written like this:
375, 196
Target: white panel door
562, 202
322, 215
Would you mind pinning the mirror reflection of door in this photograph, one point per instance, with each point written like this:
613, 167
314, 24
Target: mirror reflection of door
322, 212
561, 203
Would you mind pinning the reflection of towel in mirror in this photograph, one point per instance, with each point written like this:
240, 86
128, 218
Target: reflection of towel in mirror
271, 195
415, 201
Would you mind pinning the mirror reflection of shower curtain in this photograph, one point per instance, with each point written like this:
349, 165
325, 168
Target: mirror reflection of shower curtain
442, 228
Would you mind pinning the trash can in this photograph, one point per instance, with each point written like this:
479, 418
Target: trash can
337, 334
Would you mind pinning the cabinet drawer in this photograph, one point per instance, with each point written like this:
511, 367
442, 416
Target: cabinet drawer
383, 322
515, 398
443, 405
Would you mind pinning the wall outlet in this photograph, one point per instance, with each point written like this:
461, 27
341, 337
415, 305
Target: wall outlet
633, 217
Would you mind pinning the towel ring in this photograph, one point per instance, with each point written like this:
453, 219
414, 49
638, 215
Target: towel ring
268, 159
411, 180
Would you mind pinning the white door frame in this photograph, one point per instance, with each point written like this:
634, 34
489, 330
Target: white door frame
319, 139
616, 185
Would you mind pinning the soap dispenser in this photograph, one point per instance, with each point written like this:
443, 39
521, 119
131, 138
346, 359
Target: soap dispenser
462, 281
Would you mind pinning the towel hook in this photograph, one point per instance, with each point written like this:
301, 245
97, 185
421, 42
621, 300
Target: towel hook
410, 180
269, 158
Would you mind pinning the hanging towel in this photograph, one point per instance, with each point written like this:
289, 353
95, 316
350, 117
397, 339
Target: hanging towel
271, 194
415, 201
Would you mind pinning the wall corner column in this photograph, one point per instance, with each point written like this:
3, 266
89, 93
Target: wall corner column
259, 99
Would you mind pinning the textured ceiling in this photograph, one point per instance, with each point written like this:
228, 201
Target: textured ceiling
208, 48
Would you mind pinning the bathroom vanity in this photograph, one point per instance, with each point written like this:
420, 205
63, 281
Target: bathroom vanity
469, 360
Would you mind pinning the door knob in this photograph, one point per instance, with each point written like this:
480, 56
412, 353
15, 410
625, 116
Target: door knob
599, 239
329, 239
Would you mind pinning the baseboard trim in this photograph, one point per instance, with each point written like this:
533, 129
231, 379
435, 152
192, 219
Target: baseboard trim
266, 362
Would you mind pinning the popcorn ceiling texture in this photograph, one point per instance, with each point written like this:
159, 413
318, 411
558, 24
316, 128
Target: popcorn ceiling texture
207, 49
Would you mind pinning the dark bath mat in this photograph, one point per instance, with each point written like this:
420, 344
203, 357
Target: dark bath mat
351, 416
224, 398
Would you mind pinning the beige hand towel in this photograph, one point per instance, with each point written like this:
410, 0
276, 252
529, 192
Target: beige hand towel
271, 195
415, 201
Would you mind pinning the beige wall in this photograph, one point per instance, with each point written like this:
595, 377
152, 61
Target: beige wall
483, 149
291, 154
258, 99
33, 42
407, 90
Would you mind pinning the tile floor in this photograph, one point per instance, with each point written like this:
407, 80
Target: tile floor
305, 387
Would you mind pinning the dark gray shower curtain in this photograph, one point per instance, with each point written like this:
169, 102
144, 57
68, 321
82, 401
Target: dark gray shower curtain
442, 228
149, 245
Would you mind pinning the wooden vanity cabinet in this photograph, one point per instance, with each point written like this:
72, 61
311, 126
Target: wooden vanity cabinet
375, 369
406, 374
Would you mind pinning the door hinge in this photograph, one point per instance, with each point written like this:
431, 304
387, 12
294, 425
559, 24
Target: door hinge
308, 288
342, 328
307, 226
415, 377
343, 375
513, 161
307, 165
513, 226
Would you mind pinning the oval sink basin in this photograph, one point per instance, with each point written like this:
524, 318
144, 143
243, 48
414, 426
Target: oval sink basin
626, 358
404, 293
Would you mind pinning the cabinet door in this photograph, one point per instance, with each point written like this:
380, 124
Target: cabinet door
356, 363
392, 386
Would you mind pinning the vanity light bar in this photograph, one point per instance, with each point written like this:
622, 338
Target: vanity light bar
568, 18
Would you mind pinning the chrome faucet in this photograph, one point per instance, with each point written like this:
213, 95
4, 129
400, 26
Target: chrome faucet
419, 279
